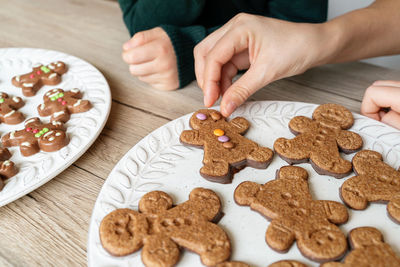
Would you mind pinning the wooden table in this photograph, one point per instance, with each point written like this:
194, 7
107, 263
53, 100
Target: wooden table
49, 226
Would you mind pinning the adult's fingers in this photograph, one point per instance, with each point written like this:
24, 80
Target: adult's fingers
387, 83
142, 37
144, 68
141, 54
377, 97
392, 118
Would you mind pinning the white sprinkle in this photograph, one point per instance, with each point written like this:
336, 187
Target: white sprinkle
9, 113
53, 95
48, 93
28, 84
12, 135
30, 120
25, 144
53, 75
6, 163
48, 133
16, 99
75, 90
18, 78
58, 134
51, 138
42, 106
77, 103
56, 123
37, 65
59, 64
51, 66
56, 114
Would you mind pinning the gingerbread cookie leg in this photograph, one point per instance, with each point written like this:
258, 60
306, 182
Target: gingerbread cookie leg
260, 158
160, 250
279, 237
216, 171
393, 209
330, 163
8, 169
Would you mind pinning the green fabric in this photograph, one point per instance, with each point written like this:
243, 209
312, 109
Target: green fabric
187, 22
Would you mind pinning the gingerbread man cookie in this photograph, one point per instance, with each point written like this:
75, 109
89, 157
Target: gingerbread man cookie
368, 249
159, 227
294, 215
376, 181
318, 140
287, 263
39, 76
60, 104
225, 147
37, 136
8, 109
7, 167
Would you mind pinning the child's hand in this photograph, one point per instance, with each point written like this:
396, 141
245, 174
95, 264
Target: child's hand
383, 95
151, 58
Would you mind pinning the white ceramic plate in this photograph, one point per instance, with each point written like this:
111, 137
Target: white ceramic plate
82, 128
160, 162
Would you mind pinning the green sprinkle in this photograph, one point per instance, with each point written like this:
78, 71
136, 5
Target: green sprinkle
1, 100
45, 130
60, 95
41, 132
53, 98
37, 135
45, 69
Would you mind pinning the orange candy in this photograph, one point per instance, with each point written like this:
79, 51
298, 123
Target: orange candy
219, 132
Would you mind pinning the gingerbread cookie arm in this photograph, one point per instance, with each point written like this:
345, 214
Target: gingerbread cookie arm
364, 236
335, 212
191, 137
393, 208
240, 125
349, 142
294, 151
159, 250
79, 105
204, 202
44, 110
4, 154
8, 169
300, 124
246, 192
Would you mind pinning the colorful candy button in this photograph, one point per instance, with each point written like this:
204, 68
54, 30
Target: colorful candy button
201, 116
219, 132
228, 145
223, 138
215, 116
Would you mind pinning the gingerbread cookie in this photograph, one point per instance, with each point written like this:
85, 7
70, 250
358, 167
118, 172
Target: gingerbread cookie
39, 76
319, 139
232, 264
225, 148
294, 215
7, 167
287, 263
368, 249
376, 181
37, 136
60, 104
8, 109
160, 228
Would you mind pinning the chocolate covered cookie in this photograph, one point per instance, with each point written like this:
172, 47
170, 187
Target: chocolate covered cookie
225, 147
294, 215
37, 136
40, 75
60, 104
368, 250
7, 167
161, 228
9, 106
376, 181
319, 139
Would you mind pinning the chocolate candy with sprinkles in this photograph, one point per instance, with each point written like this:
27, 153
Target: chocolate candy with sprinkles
8, 109
60, 104
40, 75
37, 136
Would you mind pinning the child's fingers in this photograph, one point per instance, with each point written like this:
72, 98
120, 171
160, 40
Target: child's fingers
143, 37
377, 97
144, 68
140, 54
392, 118
387, 83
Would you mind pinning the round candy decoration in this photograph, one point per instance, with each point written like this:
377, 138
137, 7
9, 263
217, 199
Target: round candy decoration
219, 132
223, 138
201, 116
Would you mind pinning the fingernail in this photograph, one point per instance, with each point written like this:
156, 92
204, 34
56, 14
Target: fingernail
127, 45
229, 108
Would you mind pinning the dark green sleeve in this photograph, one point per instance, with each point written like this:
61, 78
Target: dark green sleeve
313, 11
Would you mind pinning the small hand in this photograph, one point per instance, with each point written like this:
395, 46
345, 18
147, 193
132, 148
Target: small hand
382, 102
151, 58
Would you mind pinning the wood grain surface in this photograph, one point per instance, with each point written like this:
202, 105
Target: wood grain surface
48, 227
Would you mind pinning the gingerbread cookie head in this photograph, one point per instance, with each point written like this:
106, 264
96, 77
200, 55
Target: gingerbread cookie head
160, 228
60, 104
36, 136
225, 148
369, 249
9, 106
294, 215
39, 76
375, 181
320, 139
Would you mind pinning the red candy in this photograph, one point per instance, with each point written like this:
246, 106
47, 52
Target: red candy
35, 131
28, 129
32, 76
59, 100
63, 103
39, 72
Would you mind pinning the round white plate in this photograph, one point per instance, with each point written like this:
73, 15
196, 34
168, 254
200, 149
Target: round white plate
160, 162
82, 128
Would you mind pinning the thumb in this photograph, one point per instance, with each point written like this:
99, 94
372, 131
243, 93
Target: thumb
250, 82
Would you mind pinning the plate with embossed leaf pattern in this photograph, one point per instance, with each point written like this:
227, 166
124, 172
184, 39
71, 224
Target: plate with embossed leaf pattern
82, 128
160, 162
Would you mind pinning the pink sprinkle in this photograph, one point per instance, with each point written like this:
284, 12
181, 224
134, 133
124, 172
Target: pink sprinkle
35, 131
32, 76
28, 129
63, 103
59, 100
38, 72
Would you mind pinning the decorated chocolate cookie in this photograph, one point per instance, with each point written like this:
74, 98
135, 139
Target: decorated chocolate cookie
160, 228
8, 109
368, 250
287, 263
225, 149
7, 167
37, 136
60, 104
376, 181
39, 76
319, 139
294, 215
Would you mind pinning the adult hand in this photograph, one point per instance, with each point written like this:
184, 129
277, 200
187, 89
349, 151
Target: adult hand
383, 95
270, 49
151, 58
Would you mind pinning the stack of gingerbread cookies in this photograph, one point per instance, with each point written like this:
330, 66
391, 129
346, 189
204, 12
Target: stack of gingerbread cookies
161, 228
36, 135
